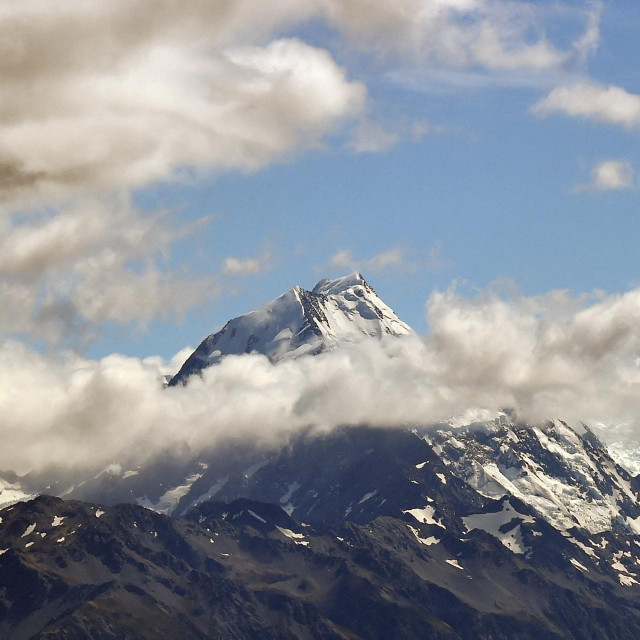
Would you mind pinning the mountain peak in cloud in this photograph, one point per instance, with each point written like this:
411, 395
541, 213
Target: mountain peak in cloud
299, 322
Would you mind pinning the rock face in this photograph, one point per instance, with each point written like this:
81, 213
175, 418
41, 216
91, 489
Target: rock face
386, 542
300, 322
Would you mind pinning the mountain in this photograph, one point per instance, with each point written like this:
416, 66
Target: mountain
473, 528
565, 473
300, 322
420, 554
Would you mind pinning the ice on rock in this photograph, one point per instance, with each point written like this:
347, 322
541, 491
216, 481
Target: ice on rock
256, 516
367, 496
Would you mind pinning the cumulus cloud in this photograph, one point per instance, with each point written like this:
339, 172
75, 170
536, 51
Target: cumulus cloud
115, 92
610, 175
111, 95
124, 92
547, 356
99, 98
611, 104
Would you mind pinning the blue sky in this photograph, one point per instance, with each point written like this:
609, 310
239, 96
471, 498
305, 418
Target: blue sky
426, 162
492, 193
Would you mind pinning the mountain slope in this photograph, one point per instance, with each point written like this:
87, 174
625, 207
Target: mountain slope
566, 474
71, 570
300, 322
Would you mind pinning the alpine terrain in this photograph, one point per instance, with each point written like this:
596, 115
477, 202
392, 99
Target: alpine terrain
482, 527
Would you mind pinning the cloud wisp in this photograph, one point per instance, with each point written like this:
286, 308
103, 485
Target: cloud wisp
610, 175
548, 356
611, 104
65, 273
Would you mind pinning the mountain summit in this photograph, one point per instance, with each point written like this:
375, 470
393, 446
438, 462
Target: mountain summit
299, 322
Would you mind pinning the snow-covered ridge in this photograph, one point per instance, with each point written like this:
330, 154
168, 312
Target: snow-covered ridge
344, 310
565, 473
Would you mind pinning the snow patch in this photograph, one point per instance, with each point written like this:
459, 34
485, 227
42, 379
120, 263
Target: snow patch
293, 487
492, 523
213, 489
366, 496
627, 581
169, 500
425, 541
256, 516
454, 563
425, 515
575, 563
249, 471
298, 538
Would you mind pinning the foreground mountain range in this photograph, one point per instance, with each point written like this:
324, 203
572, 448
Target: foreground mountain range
486, 528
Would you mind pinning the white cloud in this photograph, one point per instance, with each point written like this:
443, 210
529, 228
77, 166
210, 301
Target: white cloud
64, 274
98, 98
498, 35
383, 261
119, 92
124, 92
436, 258
396, 258
612, 105
610, 175
546, 356
246, 266
371, 137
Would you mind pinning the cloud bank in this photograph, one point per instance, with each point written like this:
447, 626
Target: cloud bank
548, 356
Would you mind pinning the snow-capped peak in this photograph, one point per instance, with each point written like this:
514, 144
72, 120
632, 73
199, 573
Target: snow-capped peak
298, 322
340, 285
